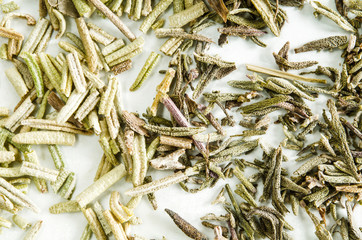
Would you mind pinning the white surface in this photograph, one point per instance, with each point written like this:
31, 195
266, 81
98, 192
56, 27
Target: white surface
84, 157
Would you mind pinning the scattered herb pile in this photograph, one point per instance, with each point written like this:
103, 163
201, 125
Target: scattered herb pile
63, 95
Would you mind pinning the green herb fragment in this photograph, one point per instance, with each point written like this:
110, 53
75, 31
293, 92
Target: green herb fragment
4, 51
186, 227
87, 233
35, 73
161, 183
65, 207
268, 15
232, 17
102, 184
158, 24
175, 131
146, 70
180, 33
183, 17
219, 7
9, 7
33, 231
123, 51
324, 43
239, 215
333, 15
113, 18
340, 134
21, 222
284, 63
238, 149
151, 18
270, 102
241, 31
213, 60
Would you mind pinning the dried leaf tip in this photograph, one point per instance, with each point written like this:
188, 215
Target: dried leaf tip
186, 227
220, 8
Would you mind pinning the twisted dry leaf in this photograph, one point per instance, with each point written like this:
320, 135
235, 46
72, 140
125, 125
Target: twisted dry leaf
65, 6
220, 8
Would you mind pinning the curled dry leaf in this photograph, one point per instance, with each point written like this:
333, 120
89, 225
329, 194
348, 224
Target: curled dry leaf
65, 6
220, 8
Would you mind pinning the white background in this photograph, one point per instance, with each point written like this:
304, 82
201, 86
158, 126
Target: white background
84, 156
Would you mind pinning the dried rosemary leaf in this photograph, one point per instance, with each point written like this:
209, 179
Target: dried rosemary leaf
33, 231
35, 72
114, 19
285, 64
174, 131
45, 137
21, 222
137, 43
169, 161
333, 15
90, 51
268, 15
151, 18
65, 207
186, 227
324, 43
9, 7
146, 70
218, 6
76, 71
160, 183
82, 7
62, 23
16, 195
161, 89
241, 31
17, 81
101, 185
180, 33
99, 35
239, 149
35, 36
184, 17
54, 126
265, 104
